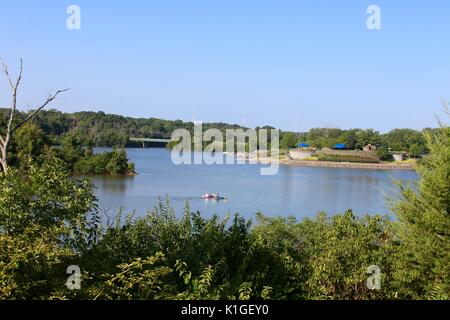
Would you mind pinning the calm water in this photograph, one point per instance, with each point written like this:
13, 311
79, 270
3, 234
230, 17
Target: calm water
297, 191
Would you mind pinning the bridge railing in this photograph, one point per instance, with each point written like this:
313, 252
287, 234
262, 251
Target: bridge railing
149, 140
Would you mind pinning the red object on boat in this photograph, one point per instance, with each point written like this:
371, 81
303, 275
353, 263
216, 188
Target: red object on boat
212, 196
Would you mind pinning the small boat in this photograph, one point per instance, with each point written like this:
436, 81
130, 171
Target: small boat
213, 196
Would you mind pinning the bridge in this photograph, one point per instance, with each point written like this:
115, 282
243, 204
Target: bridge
149, 140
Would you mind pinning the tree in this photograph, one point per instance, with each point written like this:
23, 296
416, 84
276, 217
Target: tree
368, 136
417, 150
350, 138
404, 140
288, 140
71, 150
33, 263
345, 246
11, 127
44, 226
423, 212
384, 154
42, 195
118, 164
325, 137
28, 142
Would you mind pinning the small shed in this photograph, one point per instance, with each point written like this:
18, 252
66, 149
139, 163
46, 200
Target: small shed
369, 147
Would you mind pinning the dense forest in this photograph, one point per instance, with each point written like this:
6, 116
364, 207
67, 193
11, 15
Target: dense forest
107, 130
49, 222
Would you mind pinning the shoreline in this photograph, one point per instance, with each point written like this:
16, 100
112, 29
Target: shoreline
351, 165
345, 165
332, 164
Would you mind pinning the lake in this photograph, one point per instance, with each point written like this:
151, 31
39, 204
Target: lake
296, 191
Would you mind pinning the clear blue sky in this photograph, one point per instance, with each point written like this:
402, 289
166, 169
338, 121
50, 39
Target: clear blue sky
291, 64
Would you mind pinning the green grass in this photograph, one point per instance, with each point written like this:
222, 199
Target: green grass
344, 158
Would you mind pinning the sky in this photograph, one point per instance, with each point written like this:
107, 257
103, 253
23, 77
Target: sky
294, 64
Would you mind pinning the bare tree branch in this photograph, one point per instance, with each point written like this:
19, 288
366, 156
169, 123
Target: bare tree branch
30, 116
19, 77
6, 72
14, 87
446, 106
10, 130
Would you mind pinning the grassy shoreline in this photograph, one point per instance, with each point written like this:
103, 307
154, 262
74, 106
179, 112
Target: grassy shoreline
404, 165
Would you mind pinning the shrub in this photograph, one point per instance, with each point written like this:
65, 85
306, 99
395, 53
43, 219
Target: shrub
345, 158
423, 211
384, 154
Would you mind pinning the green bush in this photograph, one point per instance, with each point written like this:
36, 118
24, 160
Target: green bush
114, 162
44, 227
423, 210
49, 221
384, 154
345, 158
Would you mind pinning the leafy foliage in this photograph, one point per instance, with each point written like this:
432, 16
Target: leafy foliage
384, 154
43, 227
109, 130
424, 212
33, 263
28, 142
114, 162
138, 279
49, 221
44, 197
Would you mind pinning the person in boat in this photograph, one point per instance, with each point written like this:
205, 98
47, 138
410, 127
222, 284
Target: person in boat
212, 196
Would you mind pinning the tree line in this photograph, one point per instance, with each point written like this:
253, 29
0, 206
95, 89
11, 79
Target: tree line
406, 140
107, 130
49, 222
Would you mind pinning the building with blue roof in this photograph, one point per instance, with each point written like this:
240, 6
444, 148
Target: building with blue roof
340, 146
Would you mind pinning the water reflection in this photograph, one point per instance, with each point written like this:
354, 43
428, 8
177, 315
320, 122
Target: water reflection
115, 185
